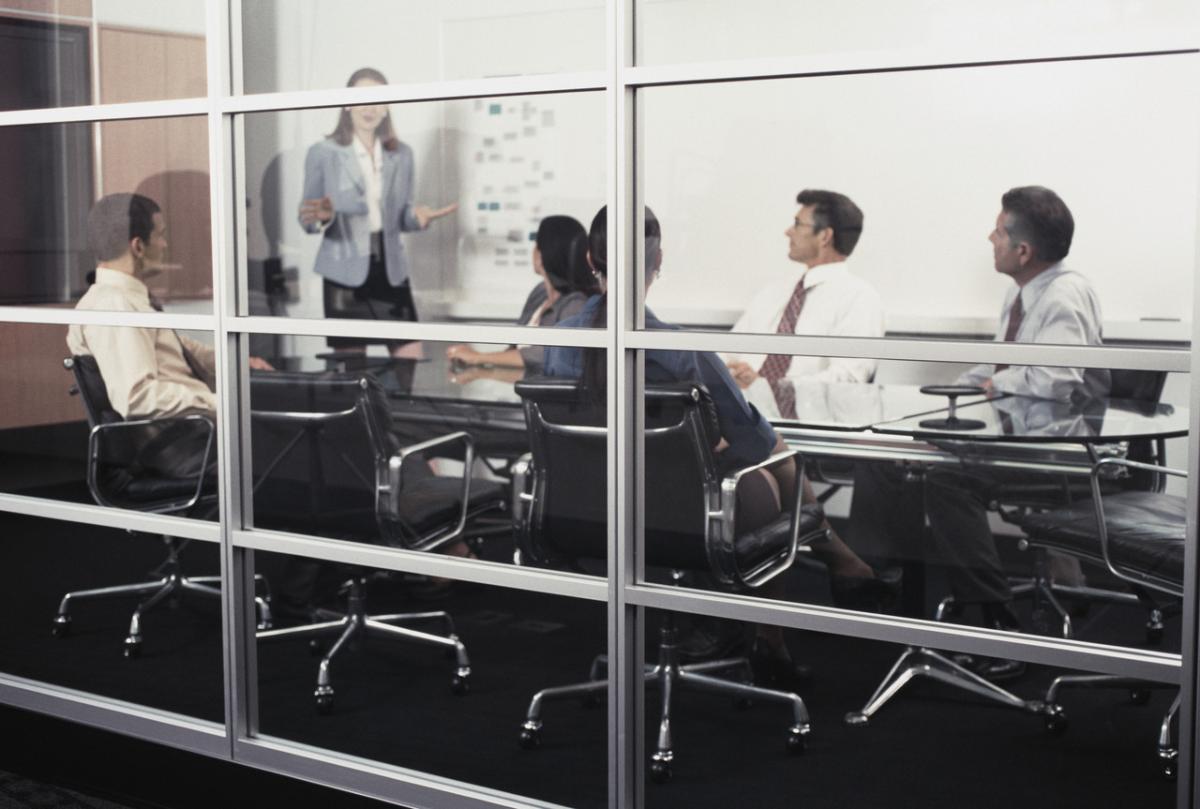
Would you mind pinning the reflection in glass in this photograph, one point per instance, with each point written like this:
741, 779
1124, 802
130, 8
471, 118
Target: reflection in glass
289, 47
178, 655
143, 51
508, 164
722, 260
394, 702
927, 749
53, 172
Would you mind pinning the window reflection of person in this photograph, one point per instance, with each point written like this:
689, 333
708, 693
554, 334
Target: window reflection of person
358, 189
558, 257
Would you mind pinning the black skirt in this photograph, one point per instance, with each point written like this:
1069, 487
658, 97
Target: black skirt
376, 299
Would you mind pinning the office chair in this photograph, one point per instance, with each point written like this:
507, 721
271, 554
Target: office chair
1138, 536
1015, 501
120, 475
560, 511
360, 484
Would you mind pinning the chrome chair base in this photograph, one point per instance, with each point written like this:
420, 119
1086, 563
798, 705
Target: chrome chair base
1139, 694
922, 662
355, 621
667, 674
172, 584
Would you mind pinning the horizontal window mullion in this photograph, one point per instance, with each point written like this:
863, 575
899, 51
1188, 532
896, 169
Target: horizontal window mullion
169, 108
427, 564
392, 784
1171, 43
86, 514
409, 330
1151, 359
90, 317
424, 91
1139, 663
127, 718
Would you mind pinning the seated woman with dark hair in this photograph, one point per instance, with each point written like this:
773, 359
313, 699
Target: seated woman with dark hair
559, 258
746, 438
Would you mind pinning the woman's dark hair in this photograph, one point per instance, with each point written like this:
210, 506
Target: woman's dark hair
594, 378
344, 133
562, 241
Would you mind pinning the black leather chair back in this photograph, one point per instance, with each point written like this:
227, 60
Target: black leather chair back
1140, 386
567, 434
90, 386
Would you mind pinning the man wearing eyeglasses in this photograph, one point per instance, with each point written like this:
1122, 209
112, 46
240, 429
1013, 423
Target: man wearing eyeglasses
823, 298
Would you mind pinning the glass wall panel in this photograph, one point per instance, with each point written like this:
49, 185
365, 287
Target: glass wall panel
451, 231
127, 422
933, 744
64, 53
424, 702
173, 659
374, 446
918, 163
704, 30
317, 45
984, 514
57, 172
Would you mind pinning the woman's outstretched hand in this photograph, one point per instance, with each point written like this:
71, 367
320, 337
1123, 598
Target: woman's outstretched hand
425, 215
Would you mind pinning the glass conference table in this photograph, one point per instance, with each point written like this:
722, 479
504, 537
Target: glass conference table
899, 423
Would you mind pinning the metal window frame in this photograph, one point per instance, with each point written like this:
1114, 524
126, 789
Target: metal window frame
625, 593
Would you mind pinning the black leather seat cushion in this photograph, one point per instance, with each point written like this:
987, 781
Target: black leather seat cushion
437, 500
1145, 532
755, 547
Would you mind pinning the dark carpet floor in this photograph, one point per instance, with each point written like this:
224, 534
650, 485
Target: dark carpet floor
931, 748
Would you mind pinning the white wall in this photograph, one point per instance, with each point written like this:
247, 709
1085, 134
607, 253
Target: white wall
926, 154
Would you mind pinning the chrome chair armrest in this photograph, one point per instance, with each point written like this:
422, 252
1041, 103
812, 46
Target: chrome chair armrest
395, 483
522, 503
726, 516
95, 438
1100, 470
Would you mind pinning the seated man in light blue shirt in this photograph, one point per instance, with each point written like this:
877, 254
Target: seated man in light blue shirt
1049, 304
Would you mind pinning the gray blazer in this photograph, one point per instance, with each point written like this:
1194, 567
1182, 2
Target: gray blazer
332, 171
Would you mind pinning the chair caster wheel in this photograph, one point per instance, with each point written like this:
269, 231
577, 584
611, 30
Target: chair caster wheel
1139, 696
856, 719
797, 742
61, 627
531, 738
1169, 771
660, 771
1055, 720
460, 685
324, 696
133, 648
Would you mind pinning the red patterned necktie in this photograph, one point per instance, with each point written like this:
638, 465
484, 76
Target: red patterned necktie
1016, 314
775, 366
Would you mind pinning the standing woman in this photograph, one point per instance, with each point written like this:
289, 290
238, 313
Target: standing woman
358, 188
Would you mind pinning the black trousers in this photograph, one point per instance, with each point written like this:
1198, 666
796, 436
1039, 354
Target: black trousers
889, 513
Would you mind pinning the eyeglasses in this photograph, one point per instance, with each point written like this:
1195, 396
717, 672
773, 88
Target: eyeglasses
797, 223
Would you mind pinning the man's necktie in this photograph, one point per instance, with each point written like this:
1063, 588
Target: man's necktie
1016, 313
775, 366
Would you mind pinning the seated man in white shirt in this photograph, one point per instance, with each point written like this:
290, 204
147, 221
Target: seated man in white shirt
148, 372
825, 298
